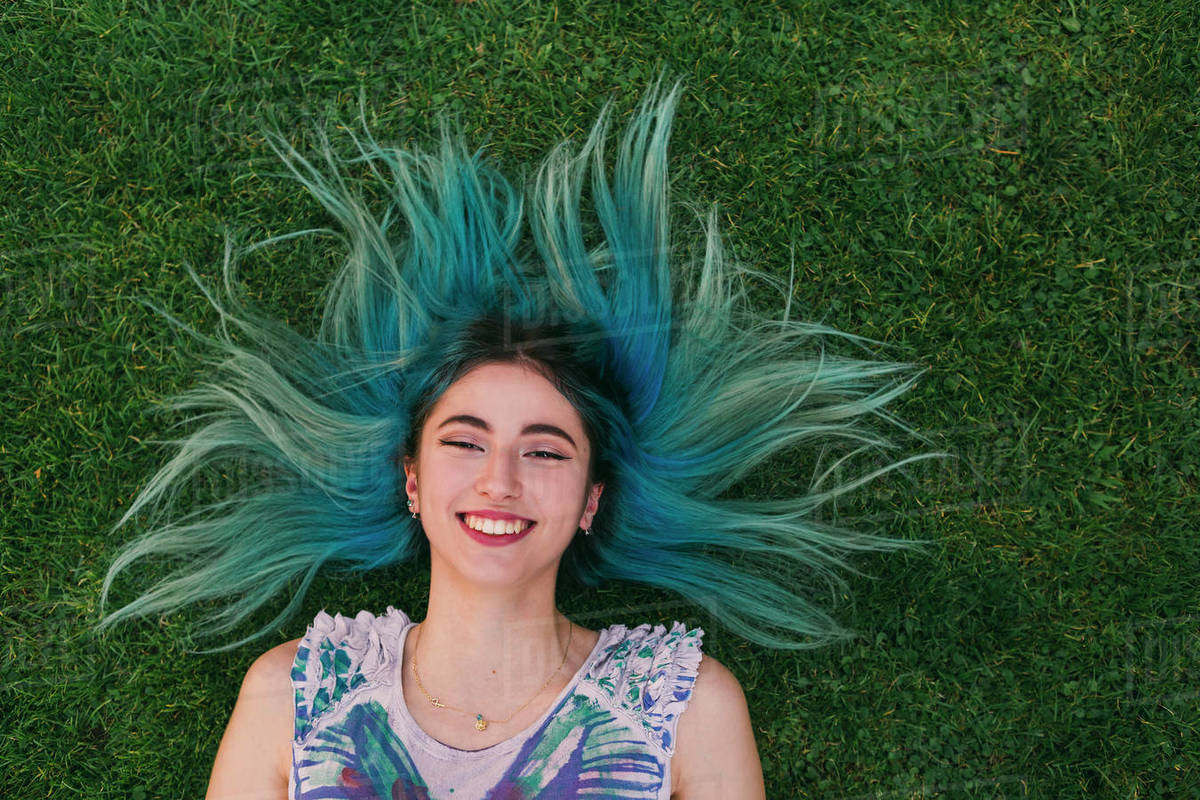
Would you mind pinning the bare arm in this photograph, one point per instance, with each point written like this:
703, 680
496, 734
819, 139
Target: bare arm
715, 754
255, 755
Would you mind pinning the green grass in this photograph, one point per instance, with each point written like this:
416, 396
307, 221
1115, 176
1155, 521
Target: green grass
1005, 192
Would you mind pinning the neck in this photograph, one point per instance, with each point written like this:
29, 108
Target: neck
476, 637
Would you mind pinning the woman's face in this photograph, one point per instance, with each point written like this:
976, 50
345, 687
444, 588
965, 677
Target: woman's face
501, 477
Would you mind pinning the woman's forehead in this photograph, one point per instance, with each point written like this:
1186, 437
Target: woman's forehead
507, 393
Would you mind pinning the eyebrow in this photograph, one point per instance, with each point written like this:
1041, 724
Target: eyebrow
536, 427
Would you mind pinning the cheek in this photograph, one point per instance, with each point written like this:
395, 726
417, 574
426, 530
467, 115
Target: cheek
445, 475
570, 495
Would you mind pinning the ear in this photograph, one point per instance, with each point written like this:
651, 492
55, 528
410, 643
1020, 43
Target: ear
410, 484
593, 503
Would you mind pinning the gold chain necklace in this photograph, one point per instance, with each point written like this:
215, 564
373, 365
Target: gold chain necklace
481, 722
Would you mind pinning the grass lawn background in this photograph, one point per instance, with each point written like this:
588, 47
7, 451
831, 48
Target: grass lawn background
1005, 193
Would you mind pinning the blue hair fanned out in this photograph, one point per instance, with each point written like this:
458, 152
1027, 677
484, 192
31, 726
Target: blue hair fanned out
710, 391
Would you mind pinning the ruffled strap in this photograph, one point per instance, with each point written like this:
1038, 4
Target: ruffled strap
338, 656
648, 674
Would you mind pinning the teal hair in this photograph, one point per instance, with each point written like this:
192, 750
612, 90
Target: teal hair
685, 389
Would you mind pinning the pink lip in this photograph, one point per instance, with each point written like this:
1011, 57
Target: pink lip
489, 540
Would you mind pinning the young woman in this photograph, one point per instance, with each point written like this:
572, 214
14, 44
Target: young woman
526, 405
501, 447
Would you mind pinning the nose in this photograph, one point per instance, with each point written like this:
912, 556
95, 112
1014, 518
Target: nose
498, 478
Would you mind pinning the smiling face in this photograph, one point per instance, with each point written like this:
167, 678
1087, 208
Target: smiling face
500, 478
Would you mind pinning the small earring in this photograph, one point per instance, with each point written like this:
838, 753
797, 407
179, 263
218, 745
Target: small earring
586, 531
415, 515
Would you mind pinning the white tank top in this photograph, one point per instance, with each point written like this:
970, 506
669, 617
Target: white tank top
609, 733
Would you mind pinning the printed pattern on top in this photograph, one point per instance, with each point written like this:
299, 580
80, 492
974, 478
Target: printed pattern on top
648, 673
612, 734
339, 655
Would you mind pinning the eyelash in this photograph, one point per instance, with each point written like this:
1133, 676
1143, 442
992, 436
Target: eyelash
541, 454
463, 445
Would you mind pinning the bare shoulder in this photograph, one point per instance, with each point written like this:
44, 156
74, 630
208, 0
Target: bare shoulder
254, 758
715, 754
266, 691
273, 669
717, 690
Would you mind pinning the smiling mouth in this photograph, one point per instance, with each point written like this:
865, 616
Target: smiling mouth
495, 527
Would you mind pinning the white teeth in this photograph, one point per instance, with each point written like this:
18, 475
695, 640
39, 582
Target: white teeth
495, 527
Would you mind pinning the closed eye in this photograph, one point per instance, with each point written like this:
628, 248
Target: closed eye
537, 454
460, 444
